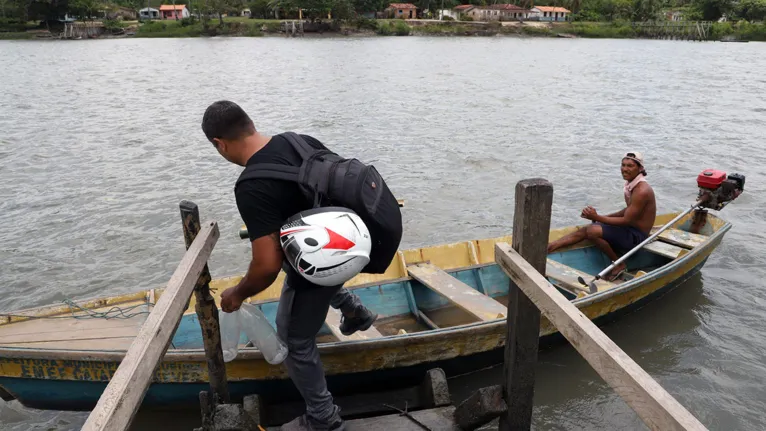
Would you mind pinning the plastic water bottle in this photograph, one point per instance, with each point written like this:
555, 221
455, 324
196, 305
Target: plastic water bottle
230, 331
261, 333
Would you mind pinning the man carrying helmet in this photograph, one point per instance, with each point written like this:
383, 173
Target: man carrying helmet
624, 229
266, 205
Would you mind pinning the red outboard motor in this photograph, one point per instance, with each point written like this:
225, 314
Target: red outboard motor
716, 190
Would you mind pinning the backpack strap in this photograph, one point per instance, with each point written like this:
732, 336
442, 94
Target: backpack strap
311, 158
304, 149
271, 171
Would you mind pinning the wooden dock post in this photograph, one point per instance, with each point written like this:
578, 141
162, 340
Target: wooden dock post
207, 312
655, 406
531, 226
123, 395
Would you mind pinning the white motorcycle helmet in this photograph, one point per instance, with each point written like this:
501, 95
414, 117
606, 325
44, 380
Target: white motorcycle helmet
327, 246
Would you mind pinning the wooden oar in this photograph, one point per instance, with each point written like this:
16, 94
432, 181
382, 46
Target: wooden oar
592, 284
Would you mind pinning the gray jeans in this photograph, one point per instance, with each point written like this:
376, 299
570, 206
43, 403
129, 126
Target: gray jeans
300, 316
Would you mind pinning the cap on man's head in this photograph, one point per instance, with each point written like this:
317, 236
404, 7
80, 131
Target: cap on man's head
636, 157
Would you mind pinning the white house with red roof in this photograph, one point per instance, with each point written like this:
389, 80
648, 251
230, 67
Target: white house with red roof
495, 12
549, 13
402, 10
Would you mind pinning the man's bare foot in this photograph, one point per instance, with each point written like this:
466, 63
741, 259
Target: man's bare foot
553, 246
614, 273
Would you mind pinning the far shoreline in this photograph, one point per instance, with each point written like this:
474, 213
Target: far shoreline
239, 27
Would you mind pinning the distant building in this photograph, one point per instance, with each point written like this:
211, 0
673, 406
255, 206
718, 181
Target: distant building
121, 12
549, 13
149, 13
402, 10
170, 11
674, 15
460, 10
246, 13
452, 13
496, 12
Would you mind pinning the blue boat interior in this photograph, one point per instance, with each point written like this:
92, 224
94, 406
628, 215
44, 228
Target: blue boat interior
397, 302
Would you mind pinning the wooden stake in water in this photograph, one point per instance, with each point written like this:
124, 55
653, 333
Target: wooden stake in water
207, 312
531, 226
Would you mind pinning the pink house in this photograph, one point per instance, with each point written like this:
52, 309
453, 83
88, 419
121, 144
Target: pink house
169, 11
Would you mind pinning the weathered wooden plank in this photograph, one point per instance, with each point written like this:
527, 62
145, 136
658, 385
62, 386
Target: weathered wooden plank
97, 345
119, 402
433, 419
207, 312
333, 323
65, 337
66, 328
567, 276
464, 296
657, 408
681, 238
664, 249
531, 228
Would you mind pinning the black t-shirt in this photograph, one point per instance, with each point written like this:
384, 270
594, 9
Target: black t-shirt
265, 204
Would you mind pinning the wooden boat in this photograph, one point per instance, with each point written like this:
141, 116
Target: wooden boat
441, 306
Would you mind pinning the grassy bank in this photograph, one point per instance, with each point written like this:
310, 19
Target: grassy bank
189, 28
16, 35
741, 30
13, 29
453, 28
596, 30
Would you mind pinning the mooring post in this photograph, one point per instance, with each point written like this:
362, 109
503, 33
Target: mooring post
207, 312
531, 226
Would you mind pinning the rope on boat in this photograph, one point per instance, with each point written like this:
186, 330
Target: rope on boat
407, 414
113, 313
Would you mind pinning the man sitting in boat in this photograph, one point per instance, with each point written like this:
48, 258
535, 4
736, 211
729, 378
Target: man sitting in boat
265, 204
625, 229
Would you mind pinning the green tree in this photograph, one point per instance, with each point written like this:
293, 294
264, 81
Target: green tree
752, 10
85, 8
5, 7
132, 4
260, 9
362, 6
606, 10
646, 10
313, 8
711, 10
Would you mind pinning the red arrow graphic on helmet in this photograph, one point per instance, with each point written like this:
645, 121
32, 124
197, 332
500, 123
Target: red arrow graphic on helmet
337, 241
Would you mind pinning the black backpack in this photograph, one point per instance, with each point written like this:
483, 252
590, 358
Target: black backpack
328, 179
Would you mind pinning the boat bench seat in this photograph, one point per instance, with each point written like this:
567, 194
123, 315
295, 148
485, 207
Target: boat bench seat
333, 323
567, 276
664, 249
477, 304
681, 238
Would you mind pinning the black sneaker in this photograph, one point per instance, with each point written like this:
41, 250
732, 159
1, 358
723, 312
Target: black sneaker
361, 321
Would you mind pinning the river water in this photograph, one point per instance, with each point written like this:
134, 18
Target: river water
100, 140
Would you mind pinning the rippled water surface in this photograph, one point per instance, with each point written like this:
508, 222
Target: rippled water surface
100, 140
